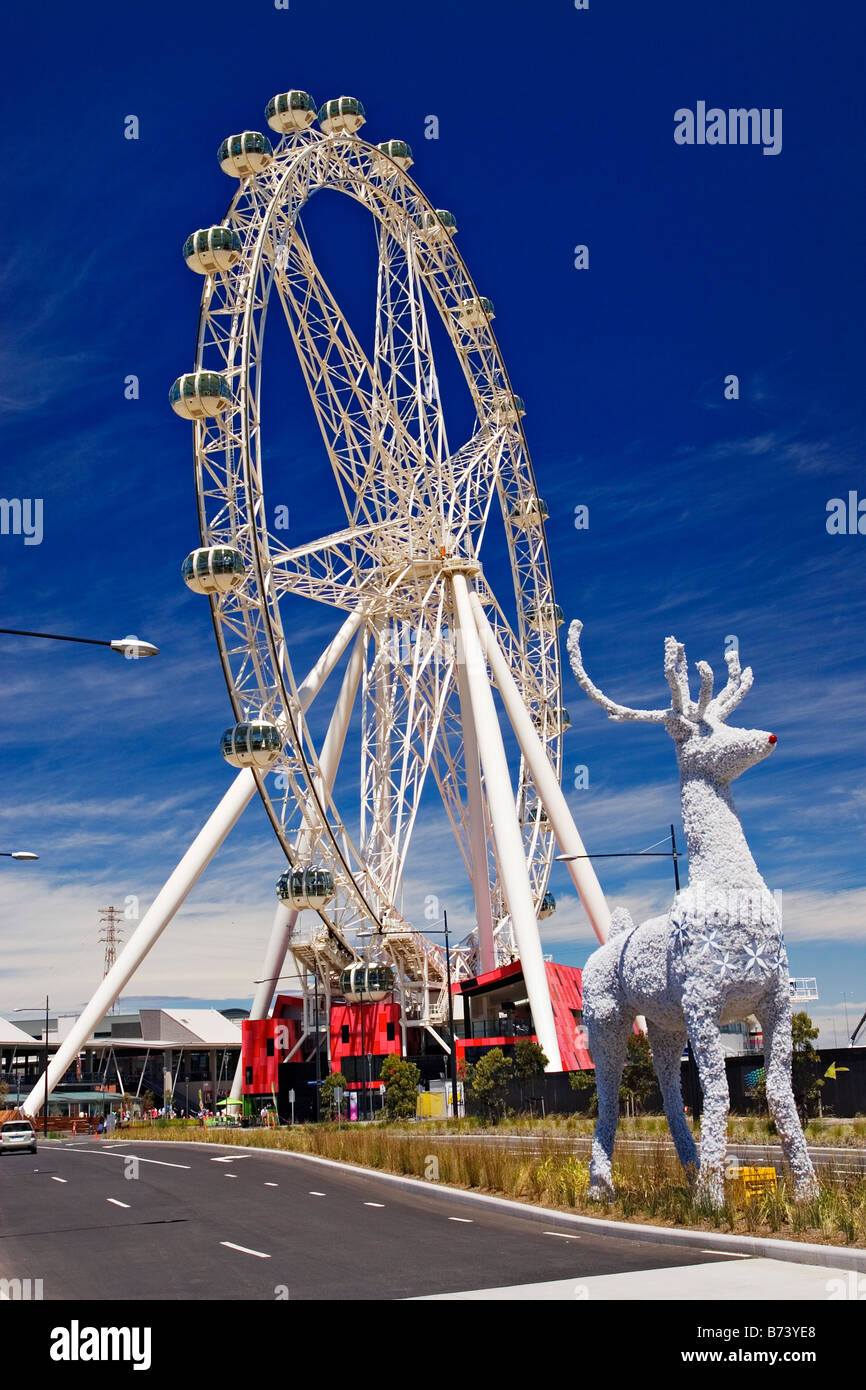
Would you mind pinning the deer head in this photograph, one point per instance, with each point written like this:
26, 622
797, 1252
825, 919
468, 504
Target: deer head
705, 746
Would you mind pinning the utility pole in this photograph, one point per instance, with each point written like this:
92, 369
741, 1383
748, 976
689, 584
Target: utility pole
453, 1067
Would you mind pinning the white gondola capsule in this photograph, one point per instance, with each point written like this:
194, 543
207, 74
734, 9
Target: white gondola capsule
507, 409
245, 155
213, 569
437, 224
341, 116
399, 151
557, 721
254, 743
475, 313
366, 984
529, 513
312, 888
199, 395
548, 616
548, 905
212, 250
290, 111
535, 815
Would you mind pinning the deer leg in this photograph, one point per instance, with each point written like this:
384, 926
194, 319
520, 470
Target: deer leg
775, 1019
608, 1041
667, 1050
703, 1030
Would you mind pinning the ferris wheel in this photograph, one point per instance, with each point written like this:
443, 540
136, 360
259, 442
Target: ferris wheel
402, 579
402, 570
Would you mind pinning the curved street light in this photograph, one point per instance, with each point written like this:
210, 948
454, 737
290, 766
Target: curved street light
17, 854
131, 647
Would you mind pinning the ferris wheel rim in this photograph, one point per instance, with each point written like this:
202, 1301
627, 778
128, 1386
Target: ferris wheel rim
274, 631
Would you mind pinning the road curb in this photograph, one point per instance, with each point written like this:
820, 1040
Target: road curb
797, 1252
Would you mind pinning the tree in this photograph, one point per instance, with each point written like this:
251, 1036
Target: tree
401, 1078
638, 1077
4, 1091
487, 1082
529, 1059
805, 1084
327, 1097
585, 1081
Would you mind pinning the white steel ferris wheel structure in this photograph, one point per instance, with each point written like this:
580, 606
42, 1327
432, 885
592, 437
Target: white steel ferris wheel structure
407, 558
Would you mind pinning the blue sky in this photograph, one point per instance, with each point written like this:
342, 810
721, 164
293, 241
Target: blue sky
707, 515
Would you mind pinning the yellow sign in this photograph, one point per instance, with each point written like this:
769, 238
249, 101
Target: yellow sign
833, 1071
753, 1181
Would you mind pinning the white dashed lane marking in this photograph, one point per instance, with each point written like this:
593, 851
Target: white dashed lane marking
317, 1194
272, 1184
561, 1234
464, 1220
59, 1179
124, 1153
114, 1202
374, 1204
245, 1250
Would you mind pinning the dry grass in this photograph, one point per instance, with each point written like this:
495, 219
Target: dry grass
651, 1186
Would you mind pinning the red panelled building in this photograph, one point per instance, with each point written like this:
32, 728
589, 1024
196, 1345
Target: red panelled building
495, 1014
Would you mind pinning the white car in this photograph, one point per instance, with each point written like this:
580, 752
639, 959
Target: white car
17, 1134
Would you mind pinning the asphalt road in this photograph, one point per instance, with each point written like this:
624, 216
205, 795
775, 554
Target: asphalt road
203, 1222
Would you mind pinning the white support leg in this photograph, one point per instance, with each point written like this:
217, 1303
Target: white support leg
510, 853
544, 777
477, 827
286, 916
315, 678
149, 930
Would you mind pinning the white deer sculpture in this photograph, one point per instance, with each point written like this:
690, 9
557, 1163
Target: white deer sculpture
715, 958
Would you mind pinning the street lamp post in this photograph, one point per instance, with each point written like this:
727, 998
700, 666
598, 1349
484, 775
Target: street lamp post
131, 646
45, 1103
453, 1067
318, 1055
17, 854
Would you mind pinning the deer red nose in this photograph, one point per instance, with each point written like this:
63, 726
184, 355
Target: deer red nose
773, 738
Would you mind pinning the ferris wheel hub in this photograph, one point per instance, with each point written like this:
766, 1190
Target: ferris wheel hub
426, 567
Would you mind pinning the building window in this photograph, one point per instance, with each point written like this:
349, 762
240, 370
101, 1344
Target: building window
344, 1033
577, 1015
248, 1075
390, 1032
269, 1046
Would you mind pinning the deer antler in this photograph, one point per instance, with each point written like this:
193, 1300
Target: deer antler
706, 694
677, 673
614, 711
739, 684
